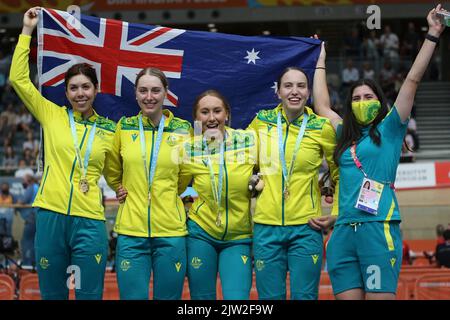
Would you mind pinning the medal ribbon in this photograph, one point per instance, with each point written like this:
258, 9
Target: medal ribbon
83, 164
287, 175
150, 173
216, 188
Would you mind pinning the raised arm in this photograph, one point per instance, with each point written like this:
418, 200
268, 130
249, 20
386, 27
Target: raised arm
19, 75
408, 89
322, 104
30, 20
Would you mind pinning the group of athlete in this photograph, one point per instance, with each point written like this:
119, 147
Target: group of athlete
150, 158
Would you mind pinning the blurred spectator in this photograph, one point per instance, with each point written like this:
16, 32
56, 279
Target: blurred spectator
367, 71
9, 161
349, 75
440, 234
5, 61
411, 42
370, 47
9, 96
389, 44
400, 77
29, 157
443, 251
8, 120
31, 144
24, 120
29, 216
6, 214
335, 98
8, 141
387, 81
23, 170
352, 44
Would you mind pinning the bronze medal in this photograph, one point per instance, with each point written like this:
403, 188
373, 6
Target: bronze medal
286, 193
84, 185
219, 218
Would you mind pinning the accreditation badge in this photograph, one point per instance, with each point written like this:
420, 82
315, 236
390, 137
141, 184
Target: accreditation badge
369, 196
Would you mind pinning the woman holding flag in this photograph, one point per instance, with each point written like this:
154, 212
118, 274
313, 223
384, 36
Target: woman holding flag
292, 143
221, 161
151, 221
70, 227
365, 250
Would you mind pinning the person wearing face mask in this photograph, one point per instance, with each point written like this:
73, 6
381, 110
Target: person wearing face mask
70, 222
151, 221
365, 250
221, 161
292, 143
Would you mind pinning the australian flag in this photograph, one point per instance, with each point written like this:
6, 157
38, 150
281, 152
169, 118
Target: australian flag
244, 69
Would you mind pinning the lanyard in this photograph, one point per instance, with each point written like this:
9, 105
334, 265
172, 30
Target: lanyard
150, 174
287, 175
217, 188
83, 164
360, 167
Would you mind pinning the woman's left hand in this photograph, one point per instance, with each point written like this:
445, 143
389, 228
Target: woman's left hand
435, 28
322, 223
121, 194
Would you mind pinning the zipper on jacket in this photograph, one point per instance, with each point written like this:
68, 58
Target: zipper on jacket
45, 178
282, 176
198, 208
178, 210
226, 199
72, 171
149, 205
312, 197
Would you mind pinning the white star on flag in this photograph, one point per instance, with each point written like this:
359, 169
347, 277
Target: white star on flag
275, 86
252, 56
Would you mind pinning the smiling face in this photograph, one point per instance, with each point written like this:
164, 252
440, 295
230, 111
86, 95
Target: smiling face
150, 95
81, 92
211, 111
293, 91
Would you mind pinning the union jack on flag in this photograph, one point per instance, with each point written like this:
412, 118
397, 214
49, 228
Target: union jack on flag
244, 69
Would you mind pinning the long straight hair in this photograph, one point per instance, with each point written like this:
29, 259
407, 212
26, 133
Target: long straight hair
351, 129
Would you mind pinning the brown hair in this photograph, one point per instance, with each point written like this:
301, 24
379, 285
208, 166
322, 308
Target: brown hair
152, 72
81, 68
212, 93
289, 69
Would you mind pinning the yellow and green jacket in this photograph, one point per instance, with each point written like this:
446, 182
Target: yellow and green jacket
59, 190
240, 155
304, 201
165, 217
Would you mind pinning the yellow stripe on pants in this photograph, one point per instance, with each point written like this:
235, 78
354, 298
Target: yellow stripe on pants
387, 232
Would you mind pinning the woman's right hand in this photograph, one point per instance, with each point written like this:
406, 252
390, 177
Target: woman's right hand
121, 194
323, 53
30, 20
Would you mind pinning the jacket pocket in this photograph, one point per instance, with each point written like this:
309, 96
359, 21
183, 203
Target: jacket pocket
45, 178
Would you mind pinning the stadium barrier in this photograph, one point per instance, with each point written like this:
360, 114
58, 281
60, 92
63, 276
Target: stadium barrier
415, 283
7, 287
